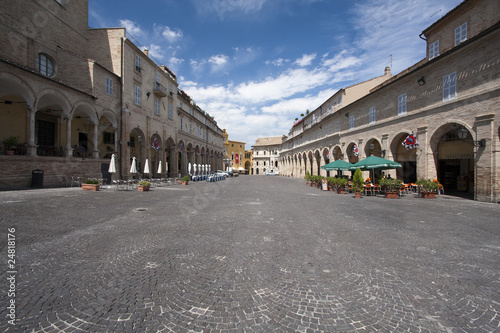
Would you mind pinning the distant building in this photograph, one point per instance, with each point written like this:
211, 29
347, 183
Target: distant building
266, 155
237, 157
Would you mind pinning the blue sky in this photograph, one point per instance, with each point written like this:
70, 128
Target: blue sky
256, 65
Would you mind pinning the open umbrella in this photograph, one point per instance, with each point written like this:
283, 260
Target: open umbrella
159, 167
146, 167
375, 163
112, 165
337, 165
133, 167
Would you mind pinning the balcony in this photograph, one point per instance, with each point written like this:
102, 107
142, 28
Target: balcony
159, 90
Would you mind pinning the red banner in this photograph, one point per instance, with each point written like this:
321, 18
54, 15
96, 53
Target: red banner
237, 158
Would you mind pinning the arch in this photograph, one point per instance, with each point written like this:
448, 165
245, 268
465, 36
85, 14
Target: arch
108, 136
137, 149
373, 147
170, 165
351, 156
11, 84
181, 158
337, 153
156, 154
454, 158
407, 158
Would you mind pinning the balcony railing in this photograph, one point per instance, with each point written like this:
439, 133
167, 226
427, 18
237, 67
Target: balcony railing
159, 90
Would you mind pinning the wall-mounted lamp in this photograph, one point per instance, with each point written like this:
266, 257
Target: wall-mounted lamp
139, 138
148, 93
383, 153
462, 135
421, 81
347, 115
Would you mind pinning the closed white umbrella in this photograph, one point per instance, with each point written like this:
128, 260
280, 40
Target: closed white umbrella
189, 167
146, 167
112, 165
194, 167
133, 167
159, 167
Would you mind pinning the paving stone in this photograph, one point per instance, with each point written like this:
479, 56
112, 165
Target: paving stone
251, 254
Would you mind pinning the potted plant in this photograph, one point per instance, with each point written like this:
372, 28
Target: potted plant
143, 185
391, 187
90, 185
428, 188
331, 183
341, 184
184, 180
307, 178
357, 183
10, 144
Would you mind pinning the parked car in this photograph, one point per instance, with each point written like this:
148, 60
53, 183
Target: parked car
272, 173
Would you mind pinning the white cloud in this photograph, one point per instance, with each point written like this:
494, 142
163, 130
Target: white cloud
278, 62
223, 7
218, 60
131, 27
305, 60
171, 35
156, 51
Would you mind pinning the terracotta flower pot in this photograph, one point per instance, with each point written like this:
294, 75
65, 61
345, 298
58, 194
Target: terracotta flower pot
357, 195
428, 195
391, 195
90, 187
143, 188
341, 190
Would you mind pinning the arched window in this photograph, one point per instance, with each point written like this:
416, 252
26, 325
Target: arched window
44, 65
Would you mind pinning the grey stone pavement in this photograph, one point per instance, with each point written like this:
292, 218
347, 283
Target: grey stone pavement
248, 254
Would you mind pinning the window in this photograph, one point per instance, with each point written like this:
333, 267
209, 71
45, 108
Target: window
461, 34
449, 86
351, 122
340, 100
44, 65
137, 94
402, 104
108, 138
182, 124
337, 126
434, 49
109, 86
372, 115
157, 77
170, 111
157, 106
190, 128
171, 89
181, 105
137, 63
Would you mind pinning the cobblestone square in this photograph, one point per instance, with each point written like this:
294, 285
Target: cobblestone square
248, 254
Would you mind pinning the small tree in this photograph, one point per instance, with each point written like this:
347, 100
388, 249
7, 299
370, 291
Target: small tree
307, 111
357, 180
302, 115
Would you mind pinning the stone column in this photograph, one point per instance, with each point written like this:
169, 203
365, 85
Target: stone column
31, 149
68, 152
95, 152
425, 157
485, 173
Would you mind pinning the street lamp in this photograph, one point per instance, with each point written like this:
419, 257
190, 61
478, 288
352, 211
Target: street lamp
462, 135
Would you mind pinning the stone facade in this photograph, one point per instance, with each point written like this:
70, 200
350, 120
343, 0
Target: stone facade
237, 156
73, 95
266, 155
457, 91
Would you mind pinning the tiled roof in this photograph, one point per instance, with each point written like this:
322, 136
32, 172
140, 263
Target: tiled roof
275, 140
